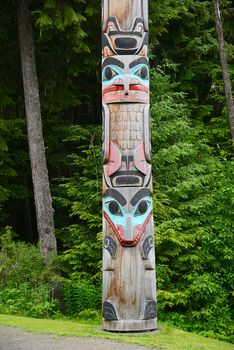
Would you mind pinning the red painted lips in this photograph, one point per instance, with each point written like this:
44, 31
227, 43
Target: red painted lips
116, 88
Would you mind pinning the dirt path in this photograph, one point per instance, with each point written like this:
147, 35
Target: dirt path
16, 339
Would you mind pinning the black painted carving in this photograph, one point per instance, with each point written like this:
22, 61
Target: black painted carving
140, 60
130, 180
140, 194
116, 195
111, 60
110, 245
125, 42
142, 207
147, 246
109, 313
150, 310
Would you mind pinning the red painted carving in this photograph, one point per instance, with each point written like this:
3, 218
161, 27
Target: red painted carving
114, 161
140, 159
119, 231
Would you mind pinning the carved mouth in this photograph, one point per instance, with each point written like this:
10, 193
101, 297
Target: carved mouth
125, 43
118, 88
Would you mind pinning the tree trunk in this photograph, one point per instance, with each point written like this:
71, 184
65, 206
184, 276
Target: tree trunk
223, 61
42, 196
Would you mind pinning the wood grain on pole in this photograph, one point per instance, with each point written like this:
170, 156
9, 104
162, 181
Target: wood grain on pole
129, 286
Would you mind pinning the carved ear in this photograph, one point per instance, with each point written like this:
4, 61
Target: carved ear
105, 11
144, 51
145, 14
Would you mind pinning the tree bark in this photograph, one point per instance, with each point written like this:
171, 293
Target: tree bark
42, 196
224, 66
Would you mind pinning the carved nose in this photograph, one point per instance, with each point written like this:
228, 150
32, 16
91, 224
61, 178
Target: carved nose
128, 81
126, 88
129, 229
124, 81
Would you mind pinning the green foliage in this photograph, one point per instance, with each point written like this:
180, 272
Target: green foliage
81, 298
91, 315
26, 301
184, 42
64, 18
194, 291
66, 34
21, 262
81, 195
26, 281
11, 163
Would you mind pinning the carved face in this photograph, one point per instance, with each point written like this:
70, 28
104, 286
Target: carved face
125, 79
121, 42
128, 219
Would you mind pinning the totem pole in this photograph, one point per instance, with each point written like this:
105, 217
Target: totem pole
129, 291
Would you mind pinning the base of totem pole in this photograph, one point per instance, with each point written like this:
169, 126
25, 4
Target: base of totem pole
130, 325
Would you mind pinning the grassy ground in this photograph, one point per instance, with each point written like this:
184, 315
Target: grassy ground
167, 338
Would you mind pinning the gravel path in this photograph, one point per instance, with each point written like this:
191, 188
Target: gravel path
16, 339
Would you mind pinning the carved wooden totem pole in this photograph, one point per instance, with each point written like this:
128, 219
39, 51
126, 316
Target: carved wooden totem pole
129, 292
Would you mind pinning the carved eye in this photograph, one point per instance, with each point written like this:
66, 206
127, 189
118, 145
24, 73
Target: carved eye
143, 73
109, 73
142, 207
114, 208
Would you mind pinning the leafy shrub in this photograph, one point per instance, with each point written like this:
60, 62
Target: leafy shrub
80, 195
194, 234
92, 315
25, 300
26, 281
22, 262
81, 296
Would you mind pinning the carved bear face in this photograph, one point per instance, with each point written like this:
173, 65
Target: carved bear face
128, 219
125, 79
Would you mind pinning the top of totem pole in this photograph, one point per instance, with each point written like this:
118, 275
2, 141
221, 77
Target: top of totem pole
125, 11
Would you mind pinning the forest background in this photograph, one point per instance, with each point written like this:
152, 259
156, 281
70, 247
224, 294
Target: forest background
192, 160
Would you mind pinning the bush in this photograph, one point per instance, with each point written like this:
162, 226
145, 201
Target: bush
91, 315
81, 296
26, 282
27, 301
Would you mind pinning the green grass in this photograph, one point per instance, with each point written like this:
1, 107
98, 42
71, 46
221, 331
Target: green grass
167, 338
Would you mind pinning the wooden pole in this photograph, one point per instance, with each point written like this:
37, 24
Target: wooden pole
129, 286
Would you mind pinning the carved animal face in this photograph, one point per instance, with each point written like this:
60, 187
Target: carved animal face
121, 42
128, 219
125, 79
